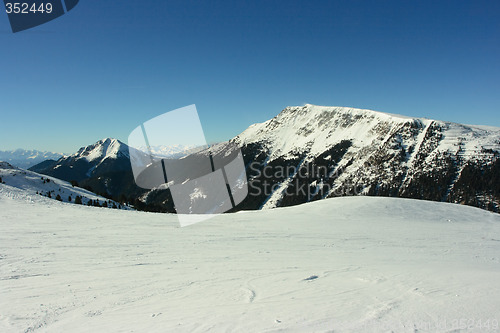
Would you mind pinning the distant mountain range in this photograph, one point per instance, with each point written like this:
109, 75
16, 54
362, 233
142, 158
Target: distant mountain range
168, 151
27, 158
312, 152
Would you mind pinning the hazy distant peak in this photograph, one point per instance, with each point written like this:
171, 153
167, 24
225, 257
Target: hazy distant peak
25, 158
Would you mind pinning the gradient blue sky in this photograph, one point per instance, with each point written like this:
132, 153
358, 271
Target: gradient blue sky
106, 66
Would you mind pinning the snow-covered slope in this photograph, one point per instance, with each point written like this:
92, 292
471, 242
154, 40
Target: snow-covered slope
353, 264
373, 153
34, 184
27, 158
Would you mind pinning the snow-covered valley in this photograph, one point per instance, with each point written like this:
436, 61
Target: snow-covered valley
350, 264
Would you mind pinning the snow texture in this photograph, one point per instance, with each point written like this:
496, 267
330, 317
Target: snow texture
351, 264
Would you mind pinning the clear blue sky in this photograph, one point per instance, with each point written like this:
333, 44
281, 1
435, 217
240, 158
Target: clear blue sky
107, 65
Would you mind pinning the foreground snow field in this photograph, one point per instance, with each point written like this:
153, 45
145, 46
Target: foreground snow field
352, 264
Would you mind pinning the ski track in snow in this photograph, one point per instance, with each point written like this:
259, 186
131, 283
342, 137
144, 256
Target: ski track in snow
353, 264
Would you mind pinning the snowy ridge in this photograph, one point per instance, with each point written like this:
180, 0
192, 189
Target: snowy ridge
32, 186
315, 128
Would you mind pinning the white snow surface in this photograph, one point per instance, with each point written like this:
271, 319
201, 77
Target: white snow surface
350, 264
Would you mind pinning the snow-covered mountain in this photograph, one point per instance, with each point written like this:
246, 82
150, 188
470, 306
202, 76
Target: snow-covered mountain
34, 184
104, 167
27, 158
102, 150
356, 264
311, 152
109, 154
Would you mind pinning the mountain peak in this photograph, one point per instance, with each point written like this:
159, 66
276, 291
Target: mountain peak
108, 141
102, 158
102, 149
